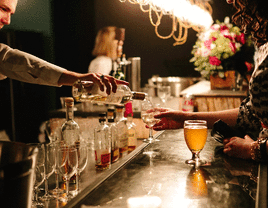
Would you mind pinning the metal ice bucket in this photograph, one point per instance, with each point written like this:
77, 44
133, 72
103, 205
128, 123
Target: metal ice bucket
177, 84
17, 164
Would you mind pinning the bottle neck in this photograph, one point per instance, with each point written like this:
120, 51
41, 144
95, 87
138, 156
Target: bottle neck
138, 95
102, 121
69, 112
119, 114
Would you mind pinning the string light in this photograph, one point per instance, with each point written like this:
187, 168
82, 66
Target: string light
185, 14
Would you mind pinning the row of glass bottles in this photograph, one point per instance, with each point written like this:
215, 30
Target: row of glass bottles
113, 139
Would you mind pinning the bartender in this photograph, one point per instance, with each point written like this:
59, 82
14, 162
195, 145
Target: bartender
107, 50
25, 67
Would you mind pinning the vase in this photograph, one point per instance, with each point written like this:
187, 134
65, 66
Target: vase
226, 83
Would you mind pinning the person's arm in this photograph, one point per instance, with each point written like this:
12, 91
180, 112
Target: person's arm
69, 78
174, 119
25, 67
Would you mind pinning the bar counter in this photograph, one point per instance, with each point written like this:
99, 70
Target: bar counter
159, 169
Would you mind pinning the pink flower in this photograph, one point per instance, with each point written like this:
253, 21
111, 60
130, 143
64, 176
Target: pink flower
241, 38
213, 60
213, 38
215, 27
229, 37
232, 46
207, 43
223, 27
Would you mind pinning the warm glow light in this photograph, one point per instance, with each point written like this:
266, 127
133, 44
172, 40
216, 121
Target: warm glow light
185, 14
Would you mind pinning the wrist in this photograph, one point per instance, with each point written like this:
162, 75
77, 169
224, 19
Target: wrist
258, 149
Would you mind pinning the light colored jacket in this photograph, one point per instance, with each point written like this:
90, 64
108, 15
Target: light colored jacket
25, 67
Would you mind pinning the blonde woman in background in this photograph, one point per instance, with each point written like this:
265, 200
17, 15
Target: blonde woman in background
108, 47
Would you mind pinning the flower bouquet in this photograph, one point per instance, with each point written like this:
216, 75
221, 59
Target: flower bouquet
222, 48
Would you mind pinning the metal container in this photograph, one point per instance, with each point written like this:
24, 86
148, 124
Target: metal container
17, 164
133, 73
177, 84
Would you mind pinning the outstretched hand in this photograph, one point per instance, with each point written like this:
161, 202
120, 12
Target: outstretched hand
105, 81
170, 119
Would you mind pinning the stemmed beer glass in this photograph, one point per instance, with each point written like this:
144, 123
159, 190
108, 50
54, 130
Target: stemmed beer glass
52, 128
82, 151
50, 165
67, 162
39, 173
147, 115
195, 134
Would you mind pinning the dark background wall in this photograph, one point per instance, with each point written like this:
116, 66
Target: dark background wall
63, 33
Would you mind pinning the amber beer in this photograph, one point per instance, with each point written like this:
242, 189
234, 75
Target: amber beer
195, 137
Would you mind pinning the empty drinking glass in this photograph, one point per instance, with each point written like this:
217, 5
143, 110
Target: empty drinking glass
39, 173
82, 151
163, 92
50, 165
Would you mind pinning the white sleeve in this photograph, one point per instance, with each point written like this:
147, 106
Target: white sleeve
25, 67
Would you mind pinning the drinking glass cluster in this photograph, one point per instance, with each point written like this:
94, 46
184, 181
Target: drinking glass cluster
61, 159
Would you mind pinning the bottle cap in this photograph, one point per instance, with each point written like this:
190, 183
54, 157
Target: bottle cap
120, 106
69, 100
102, 114
111, 120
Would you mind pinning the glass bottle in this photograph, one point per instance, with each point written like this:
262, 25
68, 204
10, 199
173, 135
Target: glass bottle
114, 140
131, 128
82, 93
70, 129
102, 144
113, 134
121, 124
119, 72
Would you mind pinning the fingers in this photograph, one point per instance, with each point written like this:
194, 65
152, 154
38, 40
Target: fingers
121, 82
106, 81
96, 79
103, 80
111, 83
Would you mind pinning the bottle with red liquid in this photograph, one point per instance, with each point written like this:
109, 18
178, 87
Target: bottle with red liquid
131, 127
102, 144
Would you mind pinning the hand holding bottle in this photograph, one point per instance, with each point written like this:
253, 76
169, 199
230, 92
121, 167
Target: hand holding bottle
122, 95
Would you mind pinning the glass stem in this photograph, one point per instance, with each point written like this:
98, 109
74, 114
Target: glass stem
57, 180
36, 194
46, 186
150, 133
77, 180
67, 186
195, 156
